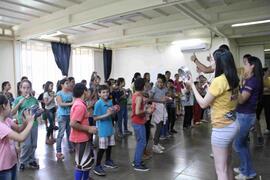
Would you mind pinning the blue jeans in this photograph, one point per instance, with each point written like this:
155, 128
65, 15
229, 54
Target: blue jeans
241, 146
51, 116
29, 146
141, 143
10, 174
63, 123
122, 114
165, 129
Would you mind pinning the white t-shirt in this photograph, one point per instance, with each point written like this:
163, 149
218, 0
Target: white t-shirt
52, 103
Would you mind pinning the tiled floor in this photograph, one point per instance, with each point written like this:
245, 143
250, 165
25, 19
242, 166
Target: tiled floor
186, 158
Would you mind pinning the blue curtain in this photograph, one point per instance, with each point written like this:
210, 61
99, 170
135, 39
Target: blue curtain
61, 54
107, 63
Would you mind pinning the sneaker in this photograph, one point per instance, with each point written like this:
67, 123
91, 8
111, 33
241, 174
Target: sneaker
156, 149
98, 170
211, 155
174, 131
141, 168
161, 147
59, 156
204, 120
127, 132
142, 163
243, 177
120, 135
22, 167
34, 165
236, 170
266, 132
110, 164
162, 138
260, 141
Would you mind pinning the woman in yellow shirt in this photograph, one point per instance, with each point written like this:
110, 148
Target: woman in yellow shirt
222, 98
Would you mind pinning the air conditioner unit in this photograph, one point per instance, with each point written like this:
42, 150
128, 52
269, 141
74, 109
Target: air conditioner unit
191, 45
195, 48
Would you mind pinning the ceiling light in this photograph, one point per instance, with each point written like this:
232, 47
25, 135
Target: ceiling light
58, 33
251, 23
267, 50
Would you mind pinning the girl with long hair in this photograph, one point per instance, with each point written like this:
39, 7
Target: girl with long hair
222, 96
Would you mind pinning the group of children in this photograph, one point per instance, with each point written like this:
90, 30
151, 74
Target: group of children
91, 116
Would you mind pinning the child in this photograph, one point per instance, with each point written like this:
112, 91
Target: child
80, 131
5, 90
64, 100
178, 89
44, 115
26, 100
138, 122
10, 132
197, 110
123, 113
188, 102
158, 95
171, 107
50, 109
102, 115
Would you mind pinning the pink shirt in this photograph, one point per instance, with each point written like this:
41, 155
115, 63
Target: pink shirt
79, 113
8, 154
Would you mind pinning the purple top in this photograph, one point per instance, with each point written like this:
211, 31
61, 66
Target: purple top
252, 86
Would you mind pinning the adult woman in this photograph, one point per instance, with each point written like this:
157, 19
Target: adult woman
222, 97
251, 91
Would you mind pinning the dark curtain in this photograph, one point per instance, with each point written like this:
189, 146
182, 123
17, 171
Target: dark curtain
61, 54
107, 63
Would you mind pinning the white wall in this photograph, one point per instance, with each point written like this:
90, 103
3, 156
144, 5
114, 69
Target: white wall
257, 50
155, 60
7, 71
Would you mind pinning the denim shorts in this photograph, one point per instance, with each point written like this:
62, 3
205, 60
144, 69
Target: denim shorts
223, 137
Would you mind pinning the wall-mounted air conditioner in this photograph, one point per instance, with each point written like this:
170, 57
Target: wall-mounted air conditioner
191, 45
196, 48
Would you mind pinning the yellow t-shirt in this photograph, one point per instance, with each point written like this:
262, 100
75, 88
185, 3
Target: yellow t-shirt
225, 101
266, 83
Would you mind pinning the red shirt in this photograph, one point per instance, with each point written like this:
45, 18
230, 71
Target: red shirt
178, 86
135, 118
79, 113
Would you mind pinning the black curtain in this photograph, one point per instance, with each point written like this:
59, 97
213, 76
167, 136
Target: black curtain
107, 63
61, 54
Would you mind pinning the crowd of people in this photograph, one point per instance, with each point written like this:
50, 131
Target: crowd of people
92, 117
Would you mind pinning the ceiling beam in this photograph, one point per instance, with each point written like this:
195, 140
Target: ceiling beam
100, 25
116, 23
8, 22
163, 13
136, 30
51, 4
89, 28
197, 17
130, 20
19, 12
30, 7
13, 17
85, 13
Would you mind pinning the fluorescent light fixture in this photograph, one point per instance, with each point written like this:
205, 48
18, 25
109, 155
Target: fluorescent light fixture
187, 43
45, 36
267, 50
251, 23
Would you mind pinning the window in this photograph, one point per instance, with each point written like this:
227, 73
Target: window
38, 64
